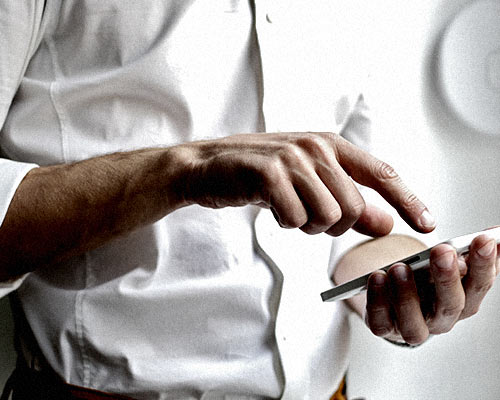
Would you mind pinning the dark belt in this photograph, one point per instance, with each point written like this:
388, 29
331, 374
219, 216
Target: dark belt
28, 384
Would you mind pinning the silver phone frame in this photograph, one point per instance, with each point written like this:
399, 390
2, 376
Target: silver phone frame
416, 262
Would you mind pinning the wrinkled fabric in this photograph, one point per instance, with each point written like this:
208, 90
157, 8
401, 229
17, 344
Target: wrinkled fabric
204, 303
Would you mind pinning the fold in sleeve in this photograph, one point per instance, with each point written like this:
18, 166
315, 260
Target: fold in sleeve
11, 175
20, 23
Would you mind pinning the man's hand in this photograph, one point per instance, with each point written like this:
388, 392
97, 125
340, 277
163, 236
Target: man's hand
399, 308
306, 179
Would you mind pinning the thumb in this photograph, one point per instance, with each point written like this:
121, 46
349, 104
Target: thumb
374, 222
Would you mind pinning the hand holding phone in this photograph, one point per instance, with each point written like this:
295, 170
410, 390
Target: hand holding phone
415, 262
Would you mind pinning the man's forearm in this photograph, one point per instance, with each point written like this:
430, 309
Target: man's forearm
306, 179
60, 211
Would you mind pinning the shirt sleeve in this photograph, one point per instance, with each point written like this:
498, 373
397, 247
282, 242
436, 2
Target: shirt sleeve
20, 29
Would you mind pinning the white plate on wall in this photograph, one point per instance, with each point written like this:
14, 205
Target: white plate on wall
469, 65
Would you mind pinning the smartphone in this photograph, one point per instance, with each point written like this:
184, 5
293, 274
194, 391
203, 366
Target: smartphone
415, 262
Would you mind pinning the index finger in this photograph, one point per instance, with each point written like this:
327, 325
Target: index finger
380, 176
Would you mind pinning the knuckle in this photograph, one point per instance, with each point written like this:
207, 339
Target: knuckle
483, 288
310, 141
415, 336
452, 311
314, 144
377, 315
384, 171
310, 228
337, 230
378, 322
447, 281
379, 330
323, 221
332, 138
293, 220
340, 220
354, 210
408, 199
291, 153
331, 217
441, 329
272, 173
470, 311
405, 304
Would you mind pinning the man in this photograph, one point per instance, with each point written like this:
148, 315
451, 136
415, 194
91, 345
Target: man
133, 201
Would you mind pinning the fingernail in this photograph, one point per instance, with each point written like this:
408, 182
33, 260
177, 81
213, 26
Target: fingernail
427, 220
487, 249
445, 261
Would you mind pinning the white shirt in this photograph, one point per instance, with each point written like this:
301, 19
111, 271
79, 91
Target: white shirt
204, 303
